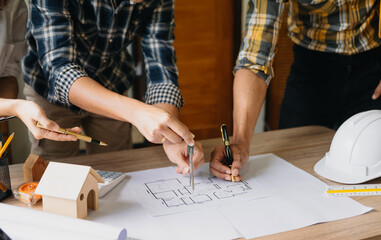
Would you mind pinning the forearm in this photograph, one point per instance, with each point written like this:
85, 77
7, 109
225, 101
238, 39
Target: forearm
249, 92
8, 107
89, 95
171, 109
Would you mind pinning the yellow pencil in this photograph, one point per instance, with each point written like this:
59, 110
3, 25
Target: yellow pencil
2, 150
79, 136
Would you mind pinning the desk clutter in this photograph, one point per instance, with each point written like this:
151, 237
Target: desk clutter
67, 191
69, 196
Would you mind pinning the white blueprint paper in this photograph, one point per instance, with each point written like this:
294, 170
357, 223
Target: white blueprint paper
121, 208
300, 201
296, 199
163, 192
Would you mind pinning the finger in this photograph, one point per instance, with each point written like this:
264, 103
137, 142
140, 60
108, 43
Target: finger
217, 159
219, 174
236, 178
49, 124
54, 127
46, 122
218, 166
218, 154
180, 129
237, 164
179, 171
41, 117
75, 129
198, 159
377, 92
157, 137
182, 167
171, 136
39, 133
58, 136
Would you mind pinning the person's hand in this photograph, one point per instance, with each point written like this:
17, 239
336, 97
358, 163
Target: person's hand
178, 154
158, 126
377, 91
240, 154
30, 113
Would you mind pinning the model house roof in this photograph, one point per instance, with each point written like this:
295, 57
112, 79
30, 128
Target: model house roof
64, 180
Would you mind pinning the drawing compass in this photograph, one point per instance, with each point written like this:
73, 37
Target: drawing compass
191, 173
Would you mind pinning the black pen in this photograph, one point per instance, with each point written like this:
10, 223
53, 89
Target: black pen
225, 138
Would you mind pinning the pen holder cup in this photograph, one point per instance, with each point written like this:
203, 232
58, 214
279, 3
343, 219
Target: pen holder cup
5, 180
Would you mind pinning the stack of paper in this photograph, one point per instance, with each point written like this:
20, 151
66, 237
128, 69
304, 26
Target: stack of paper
27, 224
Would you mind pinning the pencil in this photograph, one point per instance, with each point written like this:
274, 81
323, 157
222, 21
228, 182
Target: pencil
2, 150
78, 135
82, 137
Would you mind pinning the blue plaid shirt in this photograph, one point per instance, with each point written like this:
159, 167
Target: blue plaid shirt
68, 39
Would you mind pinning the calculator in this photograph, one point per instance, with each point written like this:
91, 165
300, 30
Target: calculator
111, 180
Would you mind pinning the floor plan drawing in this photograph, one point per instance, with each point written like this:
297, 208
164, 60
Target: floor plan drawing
174, 193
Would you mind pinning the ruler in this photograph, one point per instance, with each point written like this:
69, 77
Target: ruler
354, 190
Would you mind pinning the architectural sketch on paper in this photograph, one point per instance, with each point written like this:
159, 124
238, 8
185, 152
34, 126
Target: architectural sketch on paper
174, 193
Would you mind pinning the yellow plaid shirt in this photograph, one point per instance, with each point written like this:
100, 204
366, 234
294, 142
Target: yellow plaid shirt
336, 26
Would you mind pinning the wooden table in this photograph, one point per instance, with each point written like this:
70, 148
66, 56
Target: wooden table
302, 147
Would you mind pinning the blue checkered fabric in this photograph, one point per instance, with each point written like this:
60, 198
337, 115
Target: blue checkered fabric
69, 39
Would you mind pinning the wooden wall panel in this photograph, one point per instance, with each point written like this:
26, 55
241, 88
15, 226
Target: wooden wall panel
204, 44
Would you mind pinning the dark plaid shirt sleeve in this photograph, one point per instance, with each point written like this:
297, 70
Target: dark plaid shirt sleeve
53, 32
160, 57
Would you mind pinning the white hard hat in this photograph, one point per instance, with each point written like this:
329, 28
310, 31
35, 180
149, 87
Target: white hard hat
355, 152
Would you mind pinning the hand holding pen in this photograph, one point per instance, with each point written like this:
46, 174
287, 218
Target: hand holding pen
219, 163
75, 134
29, 113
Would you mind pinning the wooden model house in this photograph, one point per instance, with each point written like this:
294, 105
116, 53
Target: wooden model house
69, 189
34, 167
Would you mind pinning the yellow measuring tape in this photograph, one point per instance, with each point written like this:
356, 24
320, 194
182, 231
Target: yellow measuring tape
354, 190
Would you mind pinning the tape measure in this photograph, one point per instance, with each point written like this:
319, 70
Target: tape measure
354, 190
25, 193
